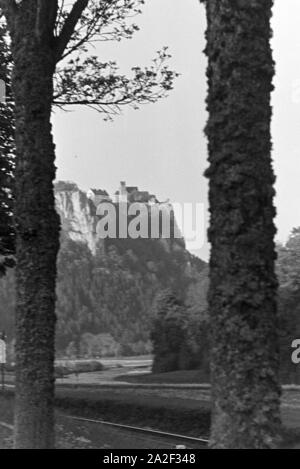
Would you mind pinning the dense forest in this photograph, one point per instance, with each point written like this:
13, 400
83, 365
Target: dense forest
105, 301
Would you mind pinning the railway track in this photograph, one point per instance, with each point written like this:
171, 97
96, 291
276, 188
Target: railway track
172, 440
177, 438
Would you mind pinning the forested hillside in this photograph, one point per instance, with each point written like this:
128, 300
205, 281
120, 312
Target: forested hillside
105, 298
105, 301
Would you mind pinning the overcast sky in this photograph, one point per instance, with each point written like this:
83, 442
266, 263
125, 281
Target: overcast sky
161, 147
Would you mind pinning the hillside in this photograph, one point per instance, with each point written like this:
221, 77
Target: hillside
106, 287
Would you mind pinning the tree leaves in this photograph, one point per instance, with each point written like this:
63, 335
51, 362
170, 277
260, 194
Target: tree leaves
100, 85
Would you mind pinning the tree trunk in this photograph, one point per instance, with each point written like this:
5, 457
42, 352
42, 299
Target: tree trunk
243, 285
37, 231
7, 238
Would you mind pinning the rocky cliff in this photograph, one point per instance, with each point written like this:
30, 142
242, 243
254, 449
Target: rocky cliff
77, 218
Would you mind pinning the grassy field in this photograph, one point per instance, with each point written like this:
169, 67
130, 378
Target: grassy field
173, 377
175, 410
140, 407
121, 393
84, 435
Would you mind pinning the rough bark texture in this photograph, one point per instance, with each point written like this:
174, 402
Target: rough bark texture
37, 231
243, 285
7, 235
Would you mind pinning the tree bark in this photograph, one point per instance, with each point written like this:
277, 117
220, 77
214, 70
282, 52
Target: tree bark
37, 233
243, 285
7, 235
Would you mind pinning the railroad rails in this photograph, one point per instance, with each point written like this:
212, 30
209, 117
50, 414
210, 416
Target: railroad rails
179, 440
172, 440
168, 439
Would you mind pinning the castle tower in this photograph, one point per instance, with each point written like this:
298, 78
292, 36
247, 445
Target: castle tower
123, 195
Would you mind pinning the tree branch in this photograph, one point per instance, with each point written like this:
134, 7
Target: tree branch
46, 17
69, 27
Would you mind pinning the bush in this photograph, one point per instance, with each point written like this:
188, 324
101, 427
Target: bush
103, 345
74, 367
88, 367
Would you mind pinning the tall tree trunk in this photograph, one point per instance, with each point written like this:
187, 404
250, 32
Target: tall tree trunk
7, 238
37, 230
243, 285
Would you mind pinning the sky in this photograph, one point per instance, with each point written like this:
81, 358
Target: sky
161, 147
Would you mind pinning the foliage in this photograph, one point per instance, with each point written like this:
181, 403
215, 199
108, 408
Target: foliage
81, 79
42, 34
109, 297
197, 330
105, 302
100, 85
76, 367
98, 345
179, 334
168, 333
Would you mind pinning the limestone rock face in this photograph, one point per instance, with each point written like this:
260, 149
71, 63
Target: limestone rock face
77, 217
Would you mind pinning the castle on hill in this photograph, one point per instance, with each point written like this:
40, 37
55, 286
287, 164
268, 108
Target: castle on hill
130, 194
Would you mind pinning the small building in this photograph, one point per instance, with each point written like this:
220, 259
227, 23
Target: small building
132, 194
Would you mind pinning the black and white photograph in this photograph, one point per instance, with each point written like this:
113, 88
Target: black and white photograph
149, 228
